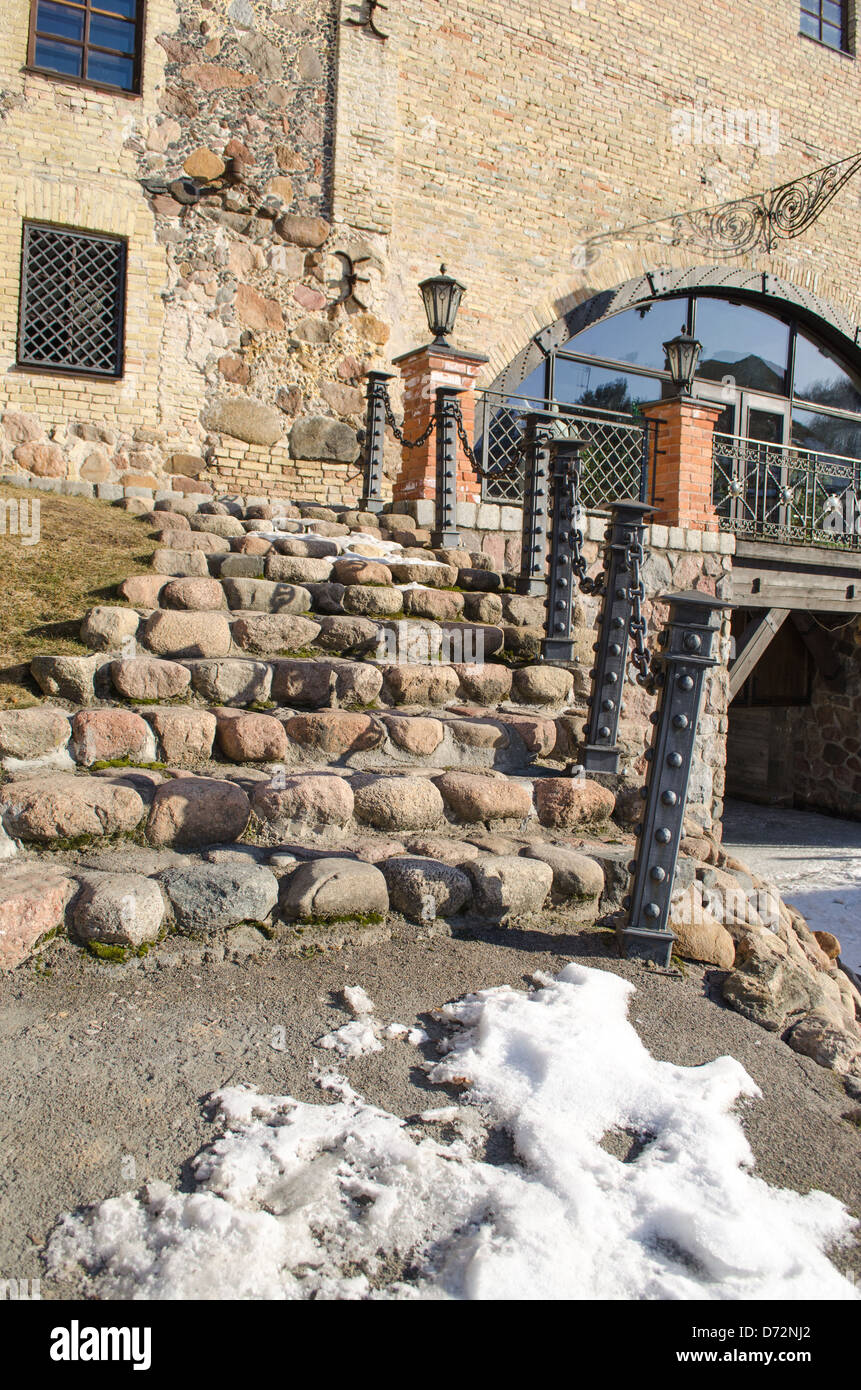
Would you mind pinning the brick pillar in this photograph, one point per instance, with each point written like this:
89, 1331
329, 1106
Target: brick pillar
683, 464
423, 370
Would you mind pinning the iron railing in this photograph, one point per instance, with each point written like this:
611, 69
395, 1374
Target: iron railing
777, 492
617, 458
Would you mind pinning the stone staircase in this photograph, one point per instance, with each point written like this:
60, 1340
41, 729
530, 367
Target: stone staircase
290, 687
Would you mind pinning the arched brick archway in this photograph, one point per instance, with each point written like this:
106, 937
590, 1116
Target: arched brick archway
829, 322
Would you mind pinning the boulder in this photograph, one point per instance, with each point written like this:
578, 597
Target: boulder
297, 569
119, 910
543, 685
538, 735
251, 421
423, 889
193, 541
233, 682
271, 633
27, 735
483, 608
348, 572
148, 678
142, 590
170, 632
105, 629
699, 935
33, 902
62, 806
206, 898
334, 733
486, 684
251, 738
372, 600
68, 677
436, 604
826, 939
336, 890
476, 796
346, 633
818, 1036
109, 735
767, 985
168, 561
185, 735
266, 596
576, 877
413, 734
410, 684
312, 800
398, 803
312, 683
572, 802
431, 576
192, 811
507, 886
195, 595
319, 437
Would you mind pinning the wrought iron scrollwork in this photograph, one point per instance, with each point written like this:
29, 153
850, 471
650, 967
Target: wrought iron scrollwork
754, 222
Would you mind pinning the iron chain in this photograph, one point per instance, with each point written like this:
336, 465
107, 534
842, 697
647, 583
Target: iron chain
398, 432
637, 627
579, 563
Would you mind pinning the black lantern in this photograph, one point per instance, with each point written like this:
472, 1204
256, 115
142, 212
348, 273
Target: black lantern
683, 355
442, 296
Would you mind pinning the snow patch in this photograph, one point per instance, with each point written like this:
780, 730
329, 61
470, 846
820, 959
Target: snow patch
344, 1200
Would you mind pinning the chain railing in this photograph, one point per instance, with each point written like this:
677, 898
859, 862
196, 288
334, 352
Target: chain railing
777, 492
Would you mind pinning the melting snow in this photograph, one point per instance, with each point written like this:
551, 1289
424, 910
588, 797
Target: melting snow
344, 1200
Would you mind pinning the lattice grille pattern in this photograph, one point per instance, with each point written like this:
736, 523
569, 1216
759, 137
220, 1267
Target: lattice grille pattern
783, 494
72, 301
612, 457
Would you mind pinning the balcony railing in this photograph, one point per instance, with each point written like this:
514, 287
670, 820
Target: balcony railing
617, 459
776, 492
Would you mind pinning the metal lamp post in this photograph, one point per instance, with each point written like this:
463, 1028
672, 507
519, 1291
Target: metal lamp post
689, 648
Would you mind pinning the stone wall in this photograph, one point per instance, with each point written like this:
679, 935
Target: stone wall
827, 773
245, 348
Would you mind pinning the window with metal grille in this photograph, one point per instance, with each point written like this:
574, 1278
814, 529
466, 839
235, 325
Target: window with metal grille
98, 42
826, 21
72, 301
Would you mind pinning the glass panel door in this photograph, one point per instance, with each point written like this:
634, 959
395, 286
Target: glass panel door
766, 483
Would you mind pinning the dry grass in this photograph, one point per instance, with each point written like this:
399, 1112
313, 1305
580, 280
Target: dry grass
85, 549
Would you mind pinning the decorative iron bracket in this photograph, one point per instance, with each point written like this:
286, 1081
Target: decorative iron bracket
746, 224
369, 22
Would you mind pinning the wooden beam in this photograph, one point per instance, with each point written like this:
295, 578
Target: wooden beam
774, 588
756, 639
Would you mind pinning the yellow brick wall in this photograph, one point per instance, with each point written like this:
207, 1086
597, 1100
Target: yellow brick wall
64, 163
498, 138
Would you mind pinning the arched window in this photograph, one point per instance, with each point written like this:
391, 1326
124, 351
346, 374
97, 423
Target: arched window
777, 382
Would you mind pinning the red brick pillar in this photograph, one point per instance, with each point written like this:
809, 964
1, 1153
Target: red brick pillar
423, 370
683, 462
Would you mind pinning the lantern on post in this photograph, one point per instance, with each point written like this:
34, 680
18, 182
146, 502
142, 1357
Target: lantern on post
441, 295
683, 355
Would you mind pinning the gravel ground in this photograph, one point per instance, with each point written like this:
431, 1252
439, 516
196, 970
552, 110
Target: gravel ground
108, 1066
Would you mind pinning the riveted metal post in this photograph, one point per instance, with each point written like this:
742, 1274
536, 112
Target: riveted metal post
375, 429
536, 505
445, 533
622, 553
558, 644
689, 643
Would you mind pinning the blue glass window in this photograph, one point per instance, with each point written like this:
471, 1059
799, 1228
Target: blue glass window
98, 41
635, 335
820, 379
602, 388
744, 343
825, 20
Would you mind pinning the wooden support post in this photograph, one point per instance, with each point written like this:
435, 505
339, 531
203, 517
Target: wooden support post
757, 638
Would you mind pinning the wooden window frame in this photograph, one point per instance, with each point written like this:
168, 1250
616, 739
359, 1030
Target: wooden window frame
57, 369
806, 7
89, 7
